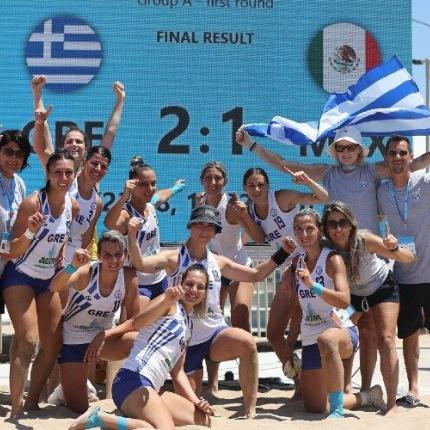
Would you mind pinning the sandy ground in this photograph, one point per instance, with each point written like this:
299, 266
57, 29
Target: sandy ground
275, 410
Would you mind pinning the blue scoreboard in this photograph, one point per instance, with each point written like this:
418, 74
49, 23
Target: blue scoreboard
194, 71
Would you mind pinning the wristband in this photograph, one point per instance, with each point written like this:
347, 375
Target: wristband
279, 256
251, 148
317, 288
29, 234
350, 311
70, 269
177, 188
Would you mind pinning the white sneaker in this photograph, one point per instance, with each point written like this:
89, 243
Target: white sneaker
376, 397
57, 396
91, 392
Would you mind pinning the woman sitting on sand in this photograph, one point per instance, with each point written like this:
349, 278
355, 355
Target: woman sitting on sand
328, 335
165, 329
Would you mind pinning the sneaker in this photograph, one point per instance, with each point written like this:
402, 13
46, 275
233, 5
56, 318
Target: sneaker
91, 392
376, 397
57, 396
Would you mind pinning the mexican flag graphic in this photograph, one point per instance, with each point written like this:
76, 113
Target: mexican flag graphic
339, 54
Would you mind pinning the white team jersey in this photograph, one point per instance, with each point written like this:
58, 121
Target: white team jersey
317, 315
148, 239
203, 328
88, 312
229, 241
87, 212
40, 258
158, 347
277, 224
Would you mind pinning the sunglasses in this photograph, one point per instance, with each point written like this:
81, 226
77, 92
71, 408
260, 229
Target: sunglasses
333, 224
393, 153
9, 152
349, 148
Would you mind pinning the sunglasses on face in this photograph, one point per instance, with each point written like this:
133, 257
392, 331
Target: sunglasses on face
9, 152
349, 148
342, 223
393, 153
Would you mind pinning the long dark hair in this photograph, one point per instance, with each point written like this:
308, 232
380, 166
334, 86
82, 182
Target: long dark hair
137, 165
255, 171
104, 152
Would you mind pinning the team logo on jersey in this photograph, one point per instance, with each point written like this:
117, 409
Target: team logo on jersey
364, 185
117, 294
318, 270
312, 316
93, 205
273, 212
417, 194
66, 50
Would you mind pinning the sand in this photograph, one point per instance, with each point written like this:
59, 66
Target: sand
275, 410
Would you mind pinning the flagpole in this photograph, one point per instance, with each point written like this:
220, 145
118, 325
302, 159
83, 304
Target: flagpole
426, 63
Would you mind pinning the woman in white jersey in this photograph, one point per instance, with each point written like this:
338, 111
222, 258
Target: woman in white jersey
35, 311
84, 191
164, 331
328, 335
373, 286
95, 292
274, 211
234, 219
211, 337
135, 202
353, 181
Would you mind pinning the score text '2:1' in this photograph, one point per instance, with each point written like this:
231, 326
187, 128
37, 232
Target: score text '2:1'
167, 145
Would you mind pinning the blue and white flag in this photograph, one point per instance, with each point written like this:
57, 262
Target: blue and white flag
65, 49
384, 101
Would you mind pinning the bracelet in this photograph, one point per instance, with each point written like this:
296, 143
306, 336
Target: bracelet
251, 148
396, 249
279, 256
317, 288
29, 234
70, 269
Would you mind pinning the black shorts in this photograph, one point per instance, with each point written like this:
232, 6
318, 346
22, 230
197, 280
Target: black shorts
387, 292
225, 282
414, 309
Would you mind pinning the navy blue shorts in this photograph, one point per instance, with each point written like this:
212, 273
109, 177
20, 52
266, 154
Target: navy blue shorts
13, 277
154, 290
126, 381
72, 353
311, 358
197, 353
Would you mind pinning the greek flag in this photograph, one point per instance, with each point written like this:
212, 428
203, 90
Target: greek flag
384, 101
66, 50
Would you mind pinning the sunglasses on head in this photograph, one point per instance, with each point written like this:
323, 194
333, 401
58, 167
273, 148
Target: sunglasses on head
394, 153
349, 148
9, 152
333, 224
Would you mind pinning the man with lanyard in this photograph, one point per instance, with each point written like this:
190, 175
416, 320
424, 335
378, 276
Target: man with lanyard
405, 200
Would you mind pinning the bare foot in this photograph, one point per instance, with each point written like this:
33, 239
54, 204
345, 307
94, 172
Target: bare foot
81, 422
391, 410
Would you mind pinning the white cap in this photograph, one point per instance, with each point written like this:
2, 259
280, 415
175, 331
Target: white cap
351, 134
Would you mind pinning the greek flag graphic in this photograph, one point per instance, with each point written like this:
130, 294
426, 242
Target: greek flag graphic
66, 50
